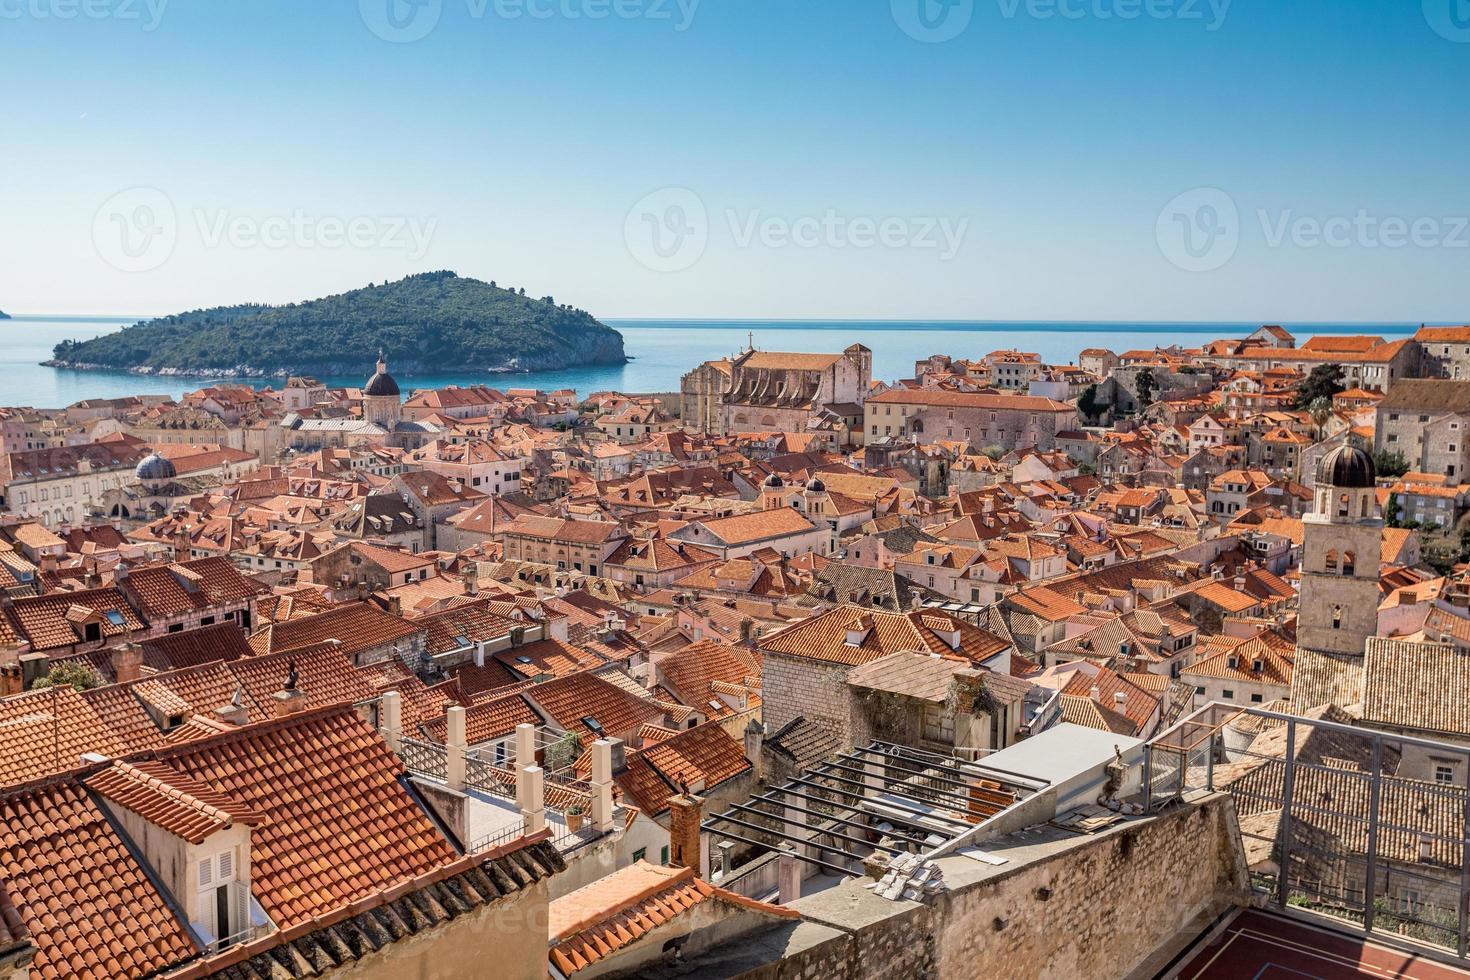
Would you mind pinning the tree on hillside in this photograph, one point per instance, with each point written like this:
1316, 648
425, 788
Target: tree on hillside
1146, 386
1324, 382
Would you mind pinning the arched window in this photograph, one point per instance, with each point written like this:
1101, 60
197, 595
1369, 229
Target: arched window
1331, 561
1349, 560
1366, 499
1344, 506
1337, 617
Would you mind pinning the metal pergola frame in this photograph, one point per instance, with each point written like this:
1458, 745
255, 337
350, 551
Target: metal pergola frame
876, 783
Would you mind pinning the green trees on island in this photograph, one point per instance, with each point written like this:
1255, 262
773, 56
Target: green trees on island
427, 321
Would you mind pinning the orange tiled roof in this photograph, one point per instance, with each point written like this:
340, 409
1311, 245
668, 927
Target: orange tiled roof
598, 920
182, 806
339, 826
47, 732
91, 910
704, 754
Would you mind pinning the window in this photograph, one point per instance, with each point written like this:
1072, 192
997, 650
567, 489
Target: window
1228, 694
1255, 699
640, 854
663, 854
1444, 774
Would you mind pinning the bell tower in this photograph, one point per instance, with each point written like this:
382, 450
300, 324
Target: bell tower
1342, 545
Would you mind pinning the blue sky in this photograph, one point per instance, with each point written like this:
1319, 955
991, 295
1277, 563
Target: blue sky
797, 158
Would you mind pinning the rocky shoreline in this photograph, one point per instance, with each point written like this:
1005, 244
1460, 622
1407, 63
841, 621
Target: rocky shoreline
334, 369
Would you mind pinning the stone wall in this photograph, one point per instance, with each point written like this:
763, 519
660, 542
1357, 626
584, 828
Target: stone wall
1065, 906
797, 687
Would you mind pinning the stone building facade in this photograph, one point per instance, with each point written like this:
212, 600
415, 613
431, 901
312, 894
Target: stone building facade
928, 414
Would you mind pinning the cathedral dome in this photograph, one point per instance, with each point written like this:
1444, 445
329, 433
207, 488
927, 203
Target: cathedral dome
815, 485
381, 384
774, 482
1347, 468
155, 468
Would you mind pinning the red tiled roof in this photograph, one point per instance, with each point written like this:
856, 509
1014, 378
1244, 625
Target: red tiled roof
91, 910
47, 732
339, 825
182, 806
597, 920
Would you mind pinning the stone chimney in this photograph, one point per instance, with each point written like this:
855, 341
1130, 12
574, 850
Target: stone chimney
127, 662
755, 735
685, 838
472, 579
235, 711
290, 699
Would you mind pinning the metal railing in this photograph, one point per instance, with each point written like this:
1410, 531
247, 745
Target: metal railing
1368, 827
425, 759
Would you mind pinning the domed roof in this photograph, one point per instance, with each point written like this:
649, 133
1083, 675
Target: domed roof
155, 467
774, 481
381, 383
1347, 468
815, 485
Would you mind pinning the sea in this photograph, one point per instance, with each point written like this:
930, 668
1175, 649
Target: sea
661, 351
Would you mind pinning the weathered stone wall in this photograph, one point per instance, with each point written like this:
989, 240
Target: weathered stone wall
796, 687
1086, 906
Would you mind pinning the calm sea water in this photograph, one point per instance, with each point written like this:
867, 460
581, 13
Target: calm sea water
662, 351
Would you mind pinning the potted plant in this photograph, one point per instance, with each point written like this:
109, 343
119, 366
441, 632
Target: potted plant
576, 814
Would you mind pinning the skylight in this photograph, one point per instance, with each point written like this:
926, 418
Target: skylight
115, 618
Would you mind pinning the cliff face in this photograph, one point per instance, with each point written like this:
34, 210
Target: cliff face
426, 323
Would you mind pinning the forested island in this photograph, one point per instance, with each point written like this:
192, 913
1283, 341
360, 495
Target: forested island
428, 322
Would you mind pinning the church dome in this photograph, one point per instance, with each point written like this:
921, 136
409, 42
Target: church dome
154, 468
774, 482
381, 384
815, 485
1347, 468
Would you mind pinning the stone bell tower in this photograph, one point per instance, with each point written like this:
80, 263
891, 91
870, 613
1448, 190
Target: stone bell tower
1341, 554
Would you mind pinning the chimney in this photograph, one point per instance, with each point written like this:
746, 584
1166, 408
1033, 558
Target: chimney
290, 699
127, 662
1096, 693
755, 734
395, 606
235, 712
472, 579
1120, 699
685, 837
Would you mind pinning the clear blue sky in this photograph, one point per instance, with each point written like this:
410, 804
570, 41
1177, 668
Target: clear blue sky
519, 145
